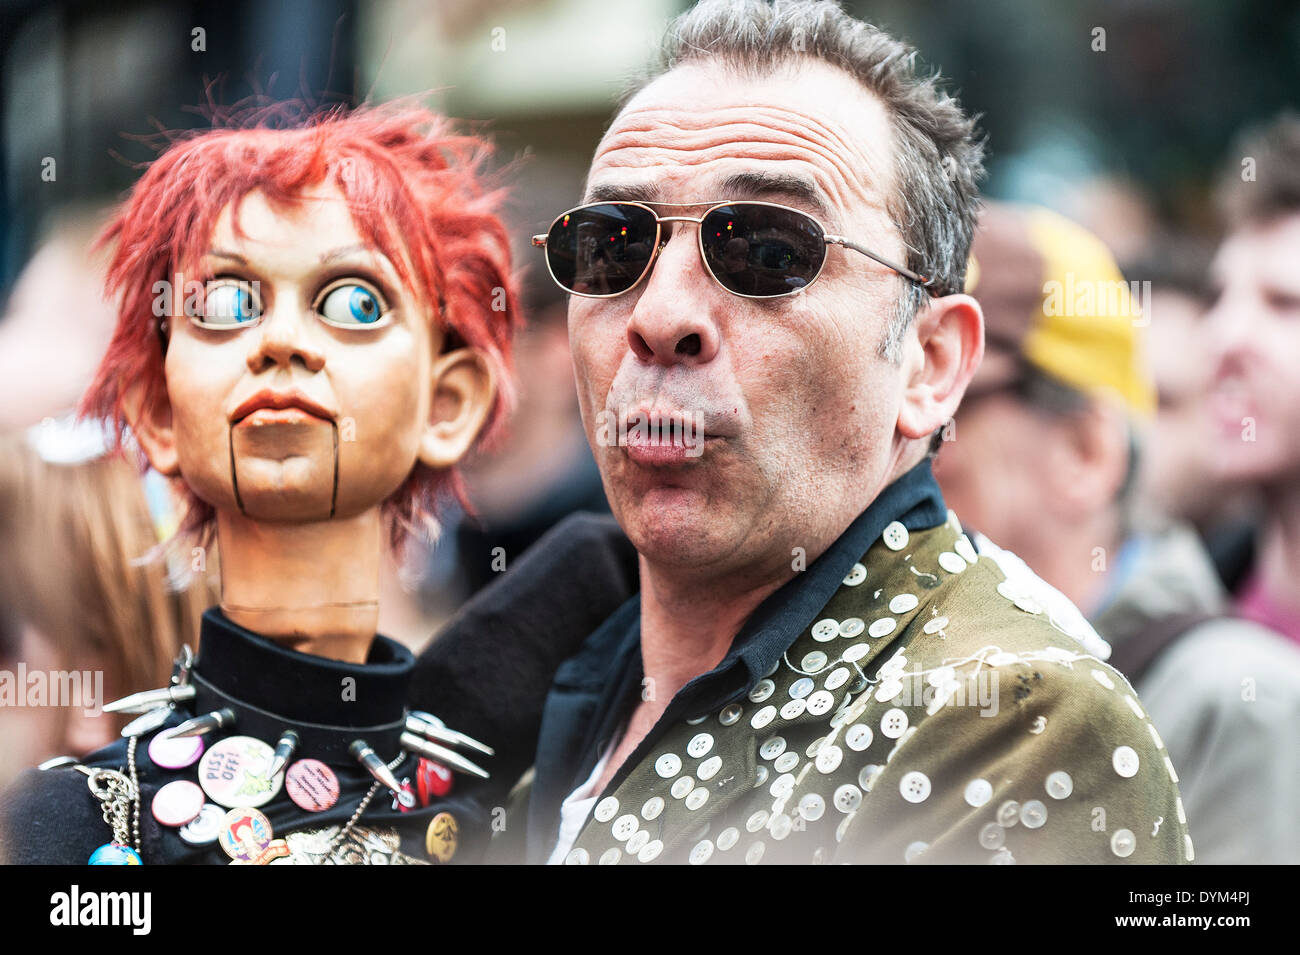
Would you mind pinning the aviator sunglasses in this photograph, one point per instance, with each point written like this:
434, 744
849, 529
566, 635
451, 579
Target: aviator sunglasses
752, 249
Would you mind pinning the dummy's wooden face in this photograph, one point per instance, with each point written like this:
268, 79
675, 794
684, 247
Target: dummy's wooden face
304, 388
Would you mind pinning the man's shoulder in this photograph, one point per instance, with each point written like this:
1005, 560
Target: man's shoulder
49, 817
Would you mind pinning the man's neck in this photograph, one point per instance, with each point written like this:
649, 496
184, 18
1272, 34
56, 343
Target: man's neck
310, 587
1278, 562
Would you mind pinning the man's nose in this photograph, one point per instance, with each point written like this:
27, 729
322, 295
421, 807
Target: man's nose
673, 321
288, 331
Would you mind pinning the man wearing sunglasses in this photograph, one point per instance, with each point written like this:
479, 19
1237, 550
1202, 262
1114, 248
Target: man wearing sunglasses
766, 274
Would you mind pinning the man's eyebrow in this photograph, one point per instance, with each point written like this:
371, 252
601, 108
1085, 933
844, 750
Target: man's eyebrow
611, 192
746, 185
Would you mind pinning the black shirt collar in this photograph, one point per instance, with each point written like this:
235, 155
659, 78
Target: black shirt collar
301, 687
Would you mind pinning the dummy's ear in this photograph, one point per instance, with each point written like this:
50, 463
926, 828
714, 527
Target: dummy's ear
463, 391
939, 361
151, 423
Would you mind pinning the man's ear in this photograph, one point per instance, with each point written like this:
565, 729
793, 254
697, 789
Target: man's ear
464, 389
150, 418
939, 363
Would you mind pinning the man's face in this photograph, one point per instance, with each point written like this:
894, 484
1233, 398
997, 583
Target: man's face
1254, 329
268, 400
798, 409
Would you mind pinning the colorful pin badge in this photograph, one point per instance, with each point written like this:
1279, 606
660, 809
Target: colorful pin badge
172, 753
277, 849
245, 832
110, 853
177, 804
404, 799
205, 827
433, 781
441, 837
312, 785
234, 772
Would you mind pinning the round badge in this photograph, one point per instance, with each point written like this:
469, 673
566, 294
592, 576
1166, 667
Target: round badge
175, 753
233, 772
311, 785
177, 804
244, 833
205, 827
110, 853
433, 781
441, 837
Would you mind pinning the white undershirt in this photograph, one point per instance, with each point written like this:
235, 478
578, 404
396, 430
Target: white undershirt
577, 807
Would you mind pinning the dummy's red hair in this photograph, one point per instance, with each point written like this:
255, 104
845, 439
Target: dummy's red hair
416, 191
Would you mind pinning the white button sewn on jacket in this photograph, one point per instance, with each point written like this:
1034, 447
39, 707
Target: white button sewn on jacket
652, 808
756, 821
867, 776
902, 603
667, 766
1169, 765
1104, 679
761, 691
1125, 760
698, 797
978, 792
727, 838
966, 549
780, 826
894, 723
856, 652
895, 536
638, 841
772, 747
1133, 705
760, 776
607, 809
847, 798
577, 857
821, 702
858, 737
709, 768
882, 627
913, 850
624, 826
1123, 842
815, 747
801, 687
681, 786
763, 717
1002, 857
783, 786
829, 759
730, 714
856, 575
824, 630
812, 662
1033, 814
850, 627
914, 786
754, 854
611, 856
888, 690
702, 852
699, 745
838, 677
940, 676
794, 709
650, 851
992, 836
935, 624
1008, 814
951, 562
1059, 784
812, 806
786, 762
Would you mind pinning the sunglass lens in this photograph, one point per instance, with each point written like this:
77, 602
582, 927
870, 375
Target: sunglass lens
602, 249
760, 250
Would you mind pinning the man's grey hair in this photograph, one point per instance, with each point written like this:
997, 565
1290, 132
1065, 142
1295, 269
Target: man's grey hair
939, 153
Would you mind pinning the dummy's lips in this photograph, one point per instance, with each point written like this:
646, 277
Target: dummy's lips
278, 401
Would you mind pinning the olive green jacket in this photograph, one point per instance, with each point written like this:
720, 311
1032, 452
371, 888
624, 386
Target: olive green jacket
936, 712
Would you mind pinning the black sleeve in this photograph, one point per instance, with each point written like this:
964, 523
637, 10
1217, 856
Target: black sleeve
50, 818
489, 670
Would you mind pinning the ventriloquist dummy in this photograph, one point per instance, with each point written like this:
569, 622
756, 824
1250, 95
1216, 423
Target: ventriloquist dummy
314, 328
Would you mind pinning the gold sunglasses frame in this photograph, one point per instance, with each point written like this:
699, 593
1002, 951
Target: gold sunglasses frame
828, 238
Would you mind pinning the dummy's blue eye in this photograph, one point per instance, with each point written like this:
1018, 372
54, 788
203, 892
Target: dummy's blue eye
351, 304
229, 304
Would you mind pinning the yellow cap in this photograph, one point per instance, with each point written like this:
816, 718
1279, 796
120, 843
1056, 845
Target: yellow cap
1053, 294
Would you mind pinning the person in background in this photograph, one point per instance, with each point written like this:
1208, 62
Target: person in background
1042, 461
1254, 324
75, 592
